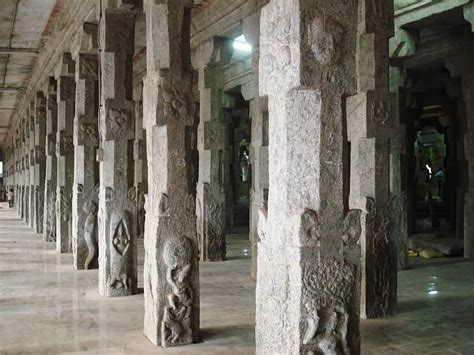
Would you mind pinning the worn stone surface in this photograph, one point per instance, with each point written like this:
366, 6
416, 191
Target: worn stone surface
117, 193
49, 228
370, 128
308, 254
40, 159
85, 197
171, 270
212, 146
66, 94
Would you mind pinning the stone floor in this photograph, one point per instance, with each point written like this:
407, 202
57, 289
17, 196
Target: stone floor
47, 308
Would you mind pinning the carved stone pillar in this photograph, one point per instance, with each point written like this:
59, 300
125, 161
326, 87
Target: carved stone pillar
462, 66
212, 145
31, 194
66, 93
117, 195
139, 154
259, 142
370, 127
26, 174
49, 229
85, 199
468, 98
171, 271
307, 293
40, 159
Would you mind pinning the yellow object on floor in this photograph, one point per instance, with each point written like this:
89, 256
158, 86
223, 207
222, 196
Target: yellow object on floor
431, 253
412, 252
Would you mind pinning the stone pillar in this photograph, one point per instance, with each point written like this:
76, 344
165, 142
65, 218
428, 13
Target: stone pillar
398, 170
66, 93
40, 159
468, 98
370, 127
212, 145
117, 195
259, 143
85, 198
462, 66
139, 154
171, 271
307, 293
31, 194
26, 174
49, 229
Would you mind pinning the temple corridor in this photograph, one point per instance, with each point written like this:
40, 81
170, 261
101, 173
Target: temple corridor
48, 307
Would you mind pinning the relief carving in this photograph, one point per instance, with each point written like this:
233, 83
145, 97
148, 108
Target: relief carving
90, 233
214, 226
378, 247
121, 238
176, 323
141, 212
88, 132
51, 232
329, 286
65, 205
118, 282
324, 38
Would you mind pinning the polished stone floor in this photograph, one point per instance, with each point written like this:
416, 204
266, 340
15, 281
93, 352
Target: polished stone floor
48, 308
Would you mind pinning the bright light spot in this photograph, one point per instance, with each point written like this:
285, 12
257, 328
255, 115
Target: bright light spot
434, 292
428, 167
241, 44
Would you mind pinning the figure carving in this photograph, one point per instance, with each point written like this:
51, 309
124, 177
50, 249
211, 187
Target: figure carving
164, 205
310, 226
51, 217
176, 323
90, 233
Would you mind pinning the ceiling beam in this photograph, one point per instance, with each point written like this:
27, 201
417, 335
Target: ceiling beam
6, 50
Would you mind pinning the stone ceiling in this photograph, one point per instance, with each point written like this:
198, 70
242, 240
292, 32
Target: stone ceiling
23, 24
